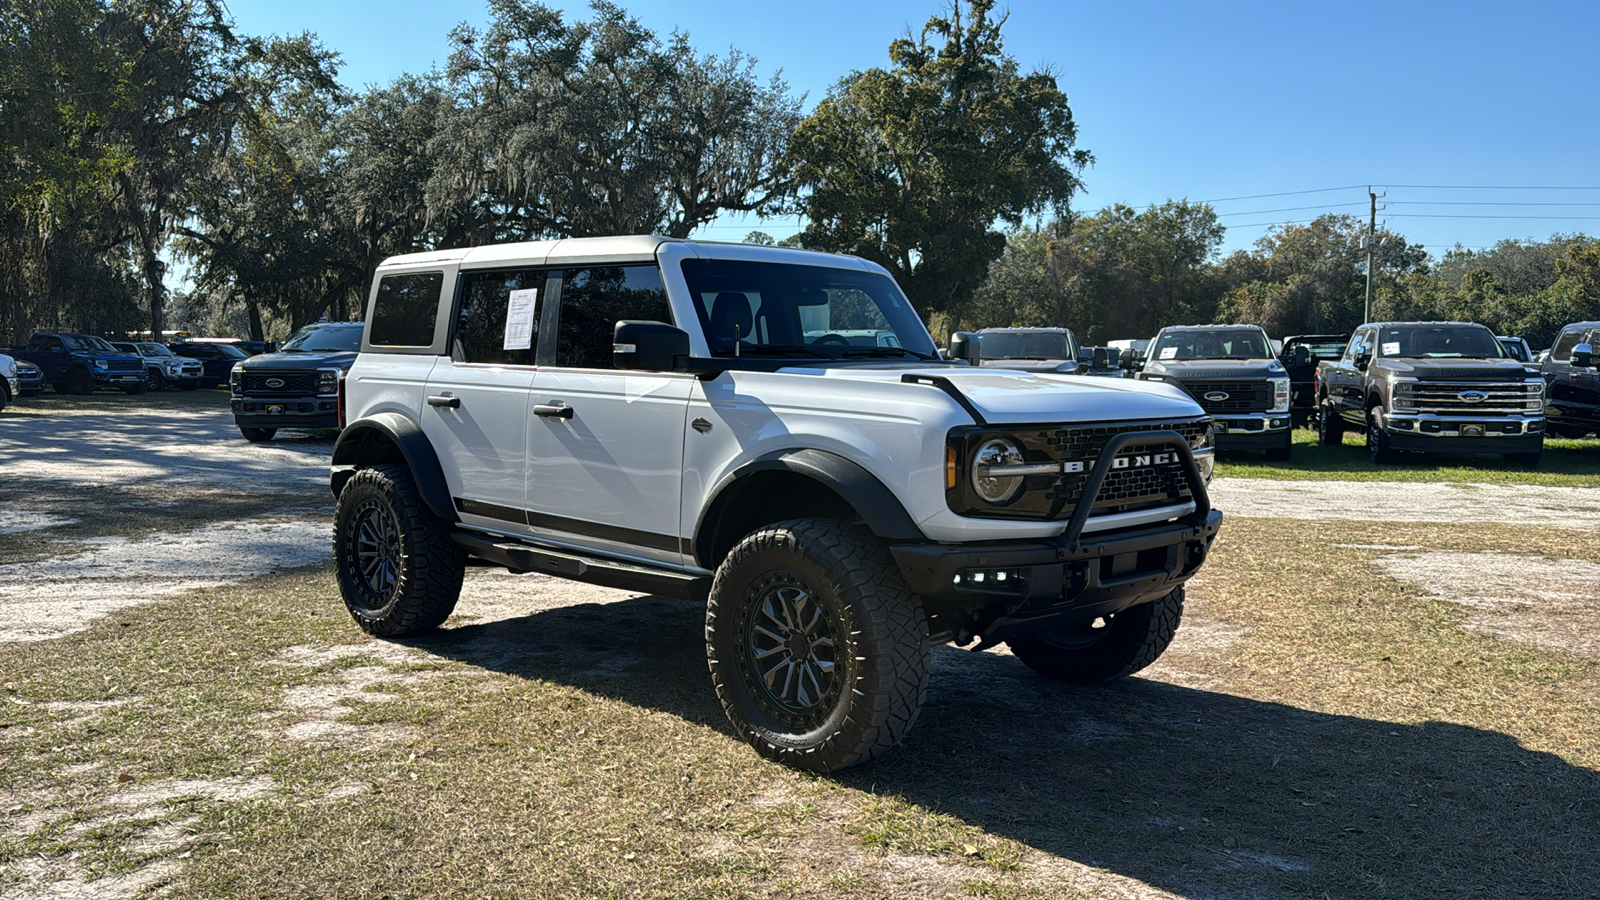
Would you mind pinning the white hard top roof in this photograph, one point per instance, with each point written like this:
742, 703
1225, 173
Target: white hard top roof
628, 248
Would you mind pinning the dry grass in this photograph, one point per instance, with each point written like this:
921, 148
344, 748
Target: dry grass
1322, 730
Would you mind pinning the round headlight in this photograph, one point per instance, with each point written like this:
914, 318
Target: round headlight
996, 488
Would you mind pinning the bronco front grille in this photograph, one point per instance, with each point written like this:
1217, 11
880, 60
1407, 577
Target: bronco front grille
1468, 398
1242, 396
297, 383
1055, 496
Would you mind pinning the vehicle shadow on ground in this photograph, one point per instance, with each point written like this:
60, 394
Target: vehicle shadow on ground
1191, 791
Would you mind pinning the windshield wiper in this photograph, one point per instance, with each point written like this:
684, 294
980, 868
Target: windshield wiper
775, 350
891, 351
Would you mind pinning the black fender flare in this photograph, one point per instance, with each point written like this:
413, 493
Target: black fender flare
406, 437
877, 506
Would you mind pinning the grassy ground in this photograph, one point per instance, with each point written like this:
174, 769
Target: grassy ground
1566, 463
51, 402
1323, 732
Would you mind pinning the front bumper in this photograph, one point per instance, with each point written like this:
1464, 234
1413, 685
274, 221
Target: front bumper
1432, 433
995, 590
15, 384
1256, 431
108, 378
286, 412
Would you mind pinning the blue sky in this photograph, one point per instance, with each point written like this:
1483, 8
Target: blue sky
1208, 101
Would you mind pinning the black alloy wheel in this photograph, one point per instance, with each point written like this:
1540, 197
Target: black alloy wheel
398, 569
156, 380
1378, 451
1330, 428
790, 655
376, 552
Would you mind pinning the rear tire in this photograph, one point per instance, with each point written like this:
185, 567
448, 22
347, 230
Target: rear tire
817, 646
1330, 428
398, 570
257, 435
1122, 644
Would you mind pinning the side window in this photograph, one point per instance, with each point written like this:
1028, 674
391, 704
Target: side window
593, 299
405, 309
497, 320
1562, 351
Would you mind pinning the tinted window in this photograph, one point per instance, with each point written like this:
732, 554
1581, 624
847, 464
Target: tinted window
405, 309
1439, 342
325, 338
1230, 343
1562, 351
1025, 346
481, 335
594, 299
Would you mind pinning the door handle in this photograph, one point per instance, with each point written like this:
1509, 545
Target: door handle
553, 411
445, 402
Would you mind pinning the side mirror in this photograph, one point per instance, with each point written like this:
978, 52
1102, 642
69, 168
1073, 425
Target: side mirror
651, 346
1300, 356
1363, 359
964, 346
1086, 355
1129, 361
1100, 357
1583, 356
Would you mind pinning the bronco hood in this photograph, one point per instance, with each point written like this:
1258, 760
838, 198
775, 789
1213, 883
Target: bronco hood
1008, 397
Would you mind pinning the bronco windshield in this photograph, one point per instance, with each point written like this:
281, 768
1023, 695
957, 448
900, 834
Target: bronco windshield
1439, 342
1023, 345
806, 312
1219, 343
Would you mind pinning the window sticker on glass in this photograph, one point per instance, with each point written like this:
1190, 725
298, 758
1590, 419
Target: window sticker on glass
1391, 348
519, 319
1169, 352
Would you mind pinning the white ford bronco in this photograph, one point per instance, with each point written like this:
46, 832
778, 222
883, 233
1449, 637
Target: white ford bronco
709, 421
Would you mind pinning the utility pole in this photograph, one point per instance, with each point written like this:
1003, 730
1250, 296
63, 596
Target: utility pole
1372, 230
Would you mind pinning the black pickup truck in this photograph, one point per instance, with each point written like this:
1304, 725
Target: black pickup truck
1231, 372
1439, 387
1573, 404
296, 387
1300, 355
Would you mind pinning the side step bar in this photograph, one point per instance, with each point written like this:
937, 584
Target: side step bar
520, 557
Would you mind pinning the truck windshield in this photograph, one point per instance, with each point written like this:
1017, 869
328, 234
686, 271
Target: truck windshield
1221, 343
155, 350
1038, 345
1439, 342
88, 342
800, 311
324, 339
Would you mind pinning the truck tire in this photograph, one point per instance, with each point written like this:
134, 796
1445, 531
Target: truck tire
398, 570
1378, 450
257, 435
1282, 454
139, 388
1330, 428
76, 381
817, 646
156, 380
1112, 646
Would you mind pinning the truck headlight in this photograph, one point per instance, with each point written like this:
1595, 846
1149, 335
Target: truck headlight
102, 364
1280, 394
992, 488
327, 381
236, 380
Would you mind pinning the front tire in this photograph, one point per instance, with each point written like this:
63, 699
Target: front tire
1378, 451
817, 646
156, 381
77, 381
1112, 646
139, 388
398, 570
257, 435
1282, 454
1330, 428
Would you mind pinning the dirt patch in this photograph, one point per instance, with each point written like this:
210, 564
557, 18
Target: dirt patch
1396, 501
51, 598
15, 521
1552, 603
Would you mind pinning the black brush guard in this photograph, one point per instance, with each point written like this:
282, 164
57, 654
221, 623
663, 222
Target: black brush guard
1000, 589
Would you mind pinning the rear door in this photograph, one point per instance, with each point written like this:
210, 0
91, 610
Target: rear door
476, 409
606, 446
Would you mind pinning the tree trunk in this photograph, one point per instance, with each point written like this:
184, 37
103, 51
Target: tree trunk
253, 309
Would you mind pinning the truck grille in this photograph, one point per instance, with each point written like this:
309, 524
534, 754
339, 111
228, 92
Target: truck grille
125, 365
1446, 398
293, 383
1243, 396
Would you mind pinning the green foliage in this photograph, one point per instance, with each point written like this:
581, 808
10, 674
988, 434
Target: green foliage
913, 166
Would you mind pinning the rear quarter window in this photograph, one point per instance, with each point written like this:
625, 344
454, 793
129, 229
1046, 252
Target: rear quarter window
405, 309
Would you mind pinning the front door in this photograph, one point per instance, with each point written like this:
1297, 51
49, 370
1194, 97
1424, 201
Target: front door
606, 446
476, 410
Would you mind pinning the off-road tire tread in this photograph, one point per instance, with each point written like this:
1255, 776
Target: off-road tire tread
891, 636
431, 575
1330, 428
1161, 618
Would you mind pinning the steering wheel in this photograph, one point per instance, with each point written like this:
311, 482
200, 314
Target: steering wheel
832, 339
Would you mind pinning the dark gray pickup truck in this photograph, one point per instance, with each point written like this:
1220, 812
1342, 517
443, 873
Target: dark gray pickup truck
1231, 372
1437, 387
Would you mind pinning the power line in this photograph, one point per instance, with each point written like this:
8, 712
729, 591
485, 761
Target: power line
1262, 212
1348, 187
1485, 203
1493, 187
1543, 218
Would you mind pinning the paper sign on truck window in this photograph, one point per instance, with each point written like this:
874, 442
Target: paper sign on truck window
1391, 348
519, 319
1168, 352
